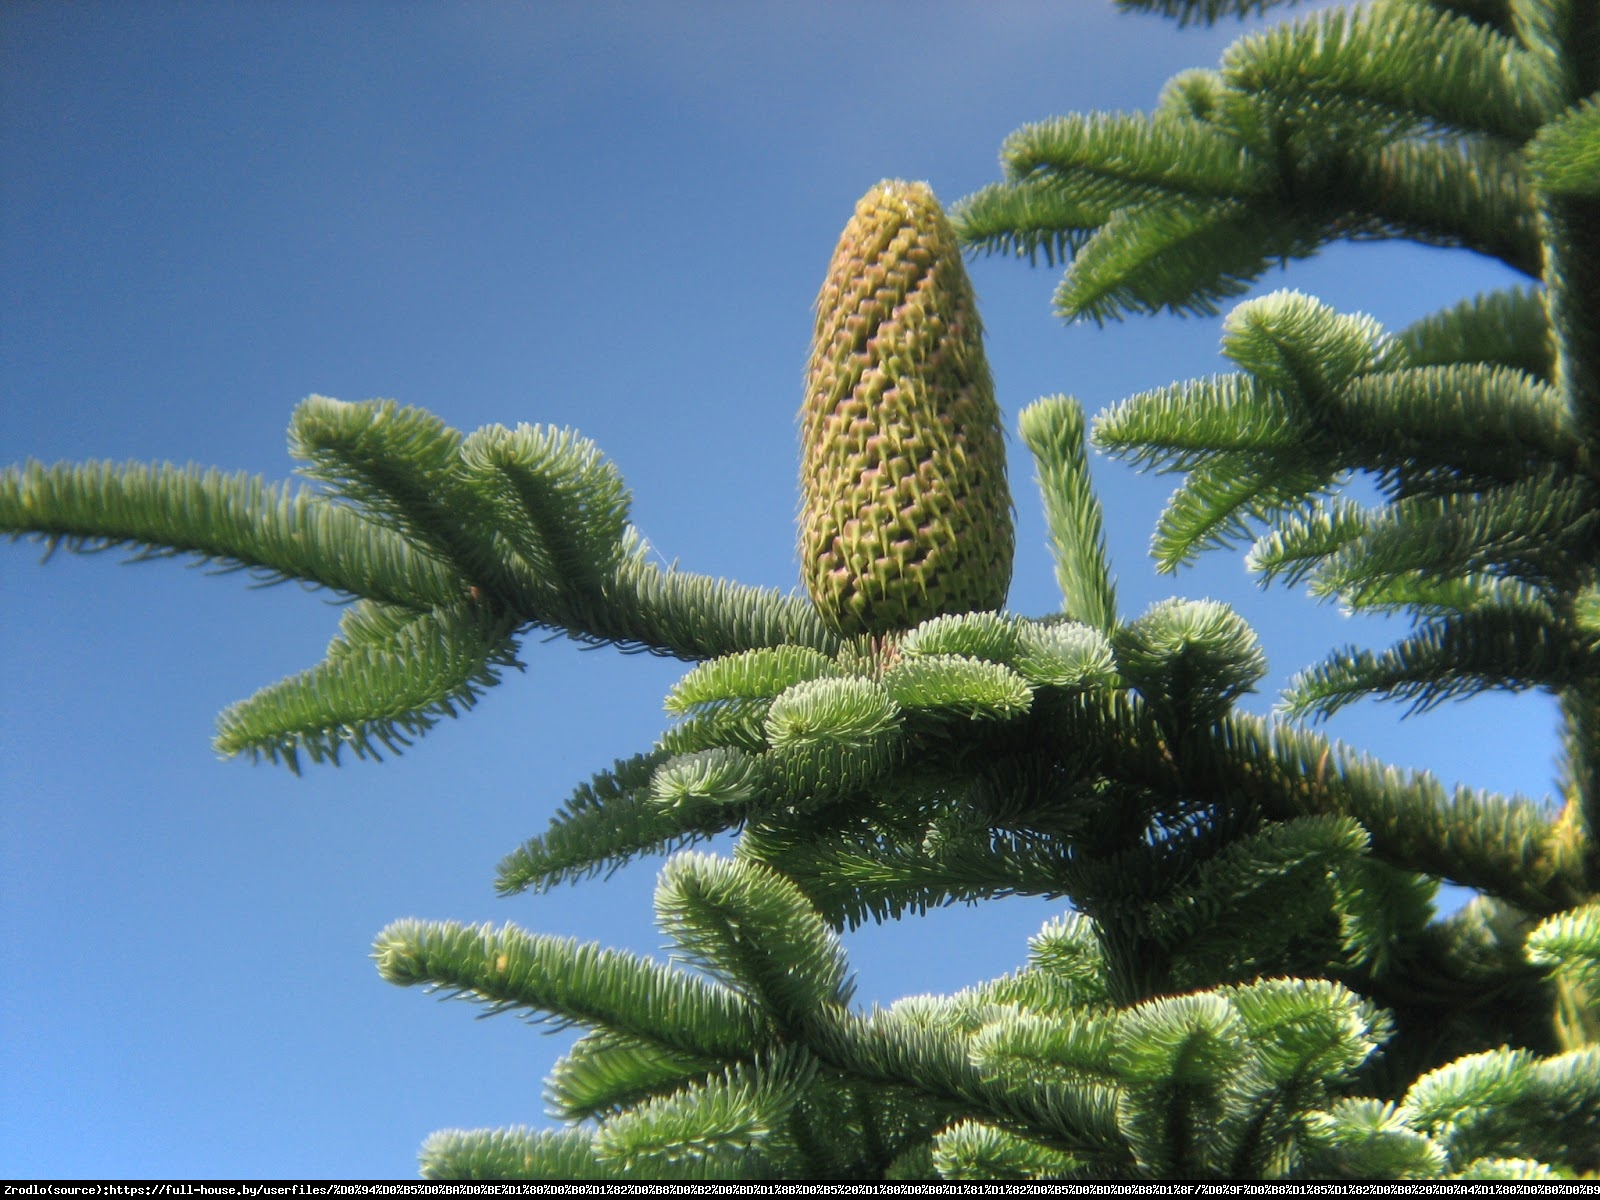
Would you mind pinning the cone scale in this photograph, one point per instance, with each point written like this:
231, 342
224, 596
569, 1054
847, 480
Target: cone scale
905, 512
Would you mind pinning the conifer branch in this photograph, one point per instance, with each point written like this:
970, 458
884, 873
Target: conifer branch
1511, 1104
561, 981
1109, 158
1019, 1046
1189, 660
1366, 1139
753, 675
1176, 428
1054, 431
1505, 328
888, 1048
1426, 598
606, 823
606, 1071
398, 463
538, 518
375, 689
953, 686
1180, 1053
1530, 531
1508, 847
1405, 66
972, 1150
1030, 218
235, 520
695, 617
531, 523
515, 1153
856, 869
1182, 256
1256, 164
1299, 542
1213, 919
1470, 418
1214, 506
987, 636
556, 501
753, 929
716, 1128
1465, 193
1568, 946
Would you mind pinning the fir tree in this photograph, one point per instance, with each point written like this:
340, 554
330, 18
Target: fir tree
1247, 980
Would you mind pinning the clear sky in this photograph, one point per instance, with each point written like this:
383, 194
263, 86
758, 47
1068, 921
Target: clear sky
611, 216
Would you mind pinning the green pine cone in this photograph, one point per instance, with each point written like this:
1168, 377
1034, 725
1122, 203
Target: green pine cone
905, 512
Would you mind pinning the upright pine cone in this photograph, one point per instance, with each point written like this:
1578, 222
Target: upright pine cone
905, 513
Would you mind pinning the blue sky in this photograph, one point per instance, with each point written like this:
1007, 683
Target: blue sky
608, 216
